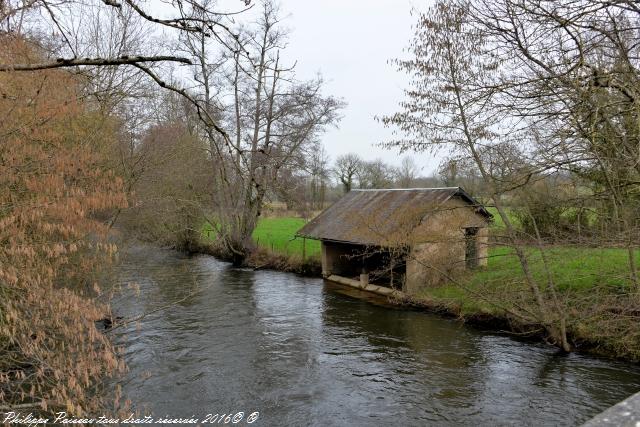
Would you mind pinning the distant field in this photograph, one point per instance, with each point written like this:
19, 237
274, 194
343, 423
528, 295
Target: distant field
498, 223
277, 234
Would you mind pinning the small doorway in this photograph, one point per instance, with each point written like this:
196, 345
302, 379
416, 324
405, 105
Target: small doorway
471, 247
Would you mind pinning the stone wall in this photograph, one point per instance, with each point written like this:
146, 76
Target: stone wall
439, 245
624, 414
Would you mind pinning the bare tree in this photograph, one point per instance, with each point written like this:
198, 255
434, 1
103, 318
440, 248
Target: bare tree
408, 172
110, 45
273, 118
318, 166
577, 93
376, 174
448, 106
449, 172
346, 169
541, 98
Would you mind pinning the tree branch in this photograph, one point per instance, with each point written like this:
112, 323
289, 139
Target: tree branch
72, 62
203, 114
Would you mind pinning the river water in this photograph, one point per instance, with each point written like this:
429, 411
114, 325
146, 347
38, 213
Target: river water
303, 352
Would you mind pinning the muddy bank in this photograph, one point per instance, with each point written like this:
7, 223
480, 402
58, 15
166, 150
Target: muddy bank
262, 259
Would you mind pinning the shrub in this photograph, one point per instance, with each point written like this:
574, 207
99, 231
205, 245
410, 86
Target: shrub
53, 183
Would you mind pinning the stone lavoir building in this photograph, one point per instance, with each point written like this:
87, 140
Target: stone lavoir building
401, 238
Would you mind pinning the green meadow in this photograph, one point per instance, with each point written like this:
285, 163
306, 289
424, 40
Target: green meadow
575, 271
278, 235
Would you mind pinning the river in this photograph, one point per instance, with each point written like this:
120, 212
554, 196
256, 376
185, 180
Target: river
301, 351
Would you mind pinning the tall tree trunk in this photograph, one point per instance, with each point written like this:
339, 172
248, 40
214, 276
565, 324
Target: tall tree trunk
557, 332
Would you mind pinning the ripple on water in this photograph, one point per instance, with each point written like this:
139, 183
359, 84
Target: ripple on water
306, 353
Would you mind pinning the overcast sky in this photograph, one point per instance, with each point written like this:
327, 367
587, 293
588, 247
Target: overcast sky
350, 43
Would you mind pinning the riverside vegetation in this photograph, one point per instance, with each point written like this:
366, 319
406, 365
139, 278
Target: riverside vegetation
56, 184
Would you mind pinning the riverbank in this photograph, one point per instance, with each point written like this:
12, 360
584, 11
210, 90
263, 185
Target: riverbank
264, 259
602, 313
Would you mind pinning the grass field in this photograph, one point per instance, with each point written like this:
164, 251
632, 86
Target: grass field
575, 271
277, 235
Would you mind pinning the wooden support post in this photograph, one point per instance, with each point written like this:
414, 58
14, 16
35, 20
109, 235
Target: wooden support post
364, 274
304, 249
364, 278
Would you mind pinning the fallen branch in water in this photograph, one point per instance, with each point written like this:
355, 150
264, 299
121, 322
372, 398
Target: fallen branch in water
142, 316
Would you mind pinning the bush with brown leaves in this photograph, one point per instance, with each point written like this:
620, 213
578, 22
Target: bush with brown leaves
52, 184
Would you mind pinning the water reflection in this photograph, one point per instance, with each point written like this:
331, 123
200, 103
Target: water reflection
302, 352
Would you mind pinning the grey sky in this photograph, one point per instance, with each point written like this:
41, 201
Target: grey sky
350, 43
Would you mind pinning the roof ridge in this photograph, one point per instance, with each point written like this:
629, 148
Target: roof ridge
406, 189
